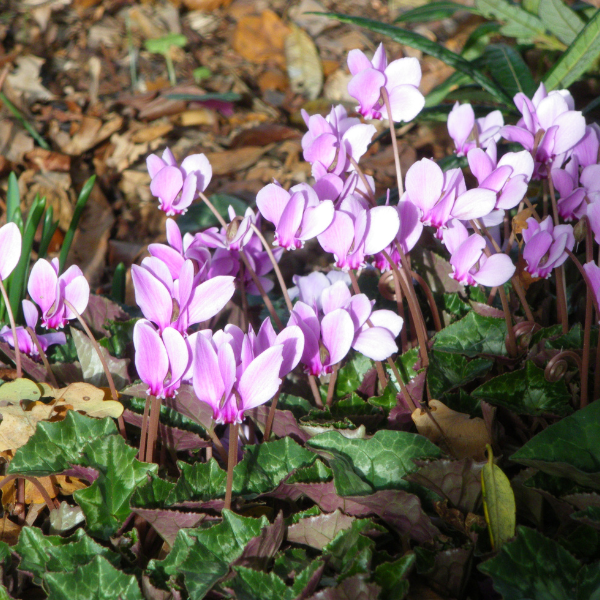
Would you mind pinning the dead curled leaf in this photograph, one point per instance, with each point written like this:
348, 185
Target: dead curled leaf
260, 39
86, 398
463, 436
303, 63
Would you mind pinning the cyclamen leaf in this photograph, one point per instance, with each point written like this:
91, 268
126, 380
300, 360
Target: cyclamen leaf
577, 58
391, 577
527, 391
473, 335
98, 579
318, 531
414, 40
41, 554
377, 463
568, 448
256, 585
561, 20
199, 483
106, 502
55, 446
533, 566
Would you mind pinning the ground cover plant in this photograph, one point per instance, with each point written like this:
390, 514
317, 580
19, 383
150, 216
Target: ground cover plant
412, 413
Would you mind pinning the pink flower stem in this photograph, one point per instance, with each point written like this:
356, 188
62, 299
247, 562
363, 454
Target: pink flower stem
245, 318
407, 397
314, 388
270, 418
111, 383
511, 344
561, 289
386, 101
331, 386
213, 210
153, 428
13, 326
587, 330
378, 366
437, 323
233, 449
266, 246
43, 356
144, 432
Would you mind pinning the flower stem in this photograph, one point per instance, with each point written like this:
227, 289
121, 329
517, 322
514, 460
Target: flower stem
437, 323
266, 246
43, 356
233, 448
13, 326
386, 101
587, 330
245, 318
213, 210
331, 386
314, 388
407, 397
153, 428
111, 383
144, 432
261, 289
270, 418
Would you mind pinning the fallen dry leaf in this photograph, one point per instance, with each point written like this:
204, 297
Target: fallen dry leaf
19, 420
206, 5
26, 79
463, 436
519, 221
14, 141
239, 159
303, 63
32, 493
88, 399
9, 531
91, 132
46, 160
260, 39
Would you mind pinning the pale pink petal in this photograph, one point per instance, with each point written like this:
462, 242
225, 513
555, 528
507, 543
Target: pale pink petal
207, 378
357, 61
480, 163
357, 139
536, 248
549, 110
10, 249
323, 149
387, 319
382, 229
512, 133
571, 129
335, 296
474, 204
292, 340
169, 256
177, 351
198, 165
404, 71
377, 343
406, 102
151, 360
337, 335
154, 164
495, 271
338, 237
467, 255
174, 235
188, 191
209, 298
460, 125
424, 182
379, 60
366, 87
290, 221
454, 235
152, 297
169, 158
271, 200
30, 313
316, 220
227, 367
77, 292
42, 284
167, 184
359, 309
260, 380
329, 187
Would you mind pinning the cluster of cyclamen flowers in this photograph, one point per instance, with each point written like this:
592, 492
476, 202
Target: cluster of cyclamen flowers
186, 282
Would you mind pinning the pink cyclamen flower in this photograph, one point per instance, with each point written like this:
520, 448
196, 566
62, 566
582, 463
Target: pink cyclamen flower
442, 196
549, 124
177, 186
546, 245
571, 203
308, 289
10, 249
508, 178
408, 235
331, 141
468, 132
228, 385
49, 292
180, 303
401, 79
298, 215
234, 237
358, 232
26, 344
586, 150
341, 324
160, 360
470, 264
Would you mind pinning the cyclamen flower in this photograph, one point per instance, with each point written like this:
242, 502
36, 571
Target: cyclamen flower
468, 133
546, 245
408, 235
470, 264
571, 204
229, 386
10, 249
331, 141
342, 324
401, 79
177, 186
49, 292
549, 124
592, 270
237, 234
588, 147
357, 232
298, 215
508, 178
26, 344
308, 289
180, 303
160, 360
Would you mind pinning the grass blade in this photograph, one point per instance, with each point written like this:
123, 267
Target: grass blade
48, 229
434, 11
28, 126
81, 202
563, 22
117, 292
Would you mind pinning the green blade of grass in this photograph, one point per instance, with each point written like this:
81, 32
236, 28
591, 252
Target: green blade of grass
28, 126
117, 292
48, 229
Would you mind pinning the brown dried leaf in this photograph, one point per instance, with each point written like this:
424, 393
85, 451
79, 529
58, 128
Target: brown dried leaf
264, 134
230, 161
303, 63
260, 39
32, 494
206, 5
91, 132
149, 132
46, 160
26, 79
519, 221
463, 436
9, 531
88, 399
19, 420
